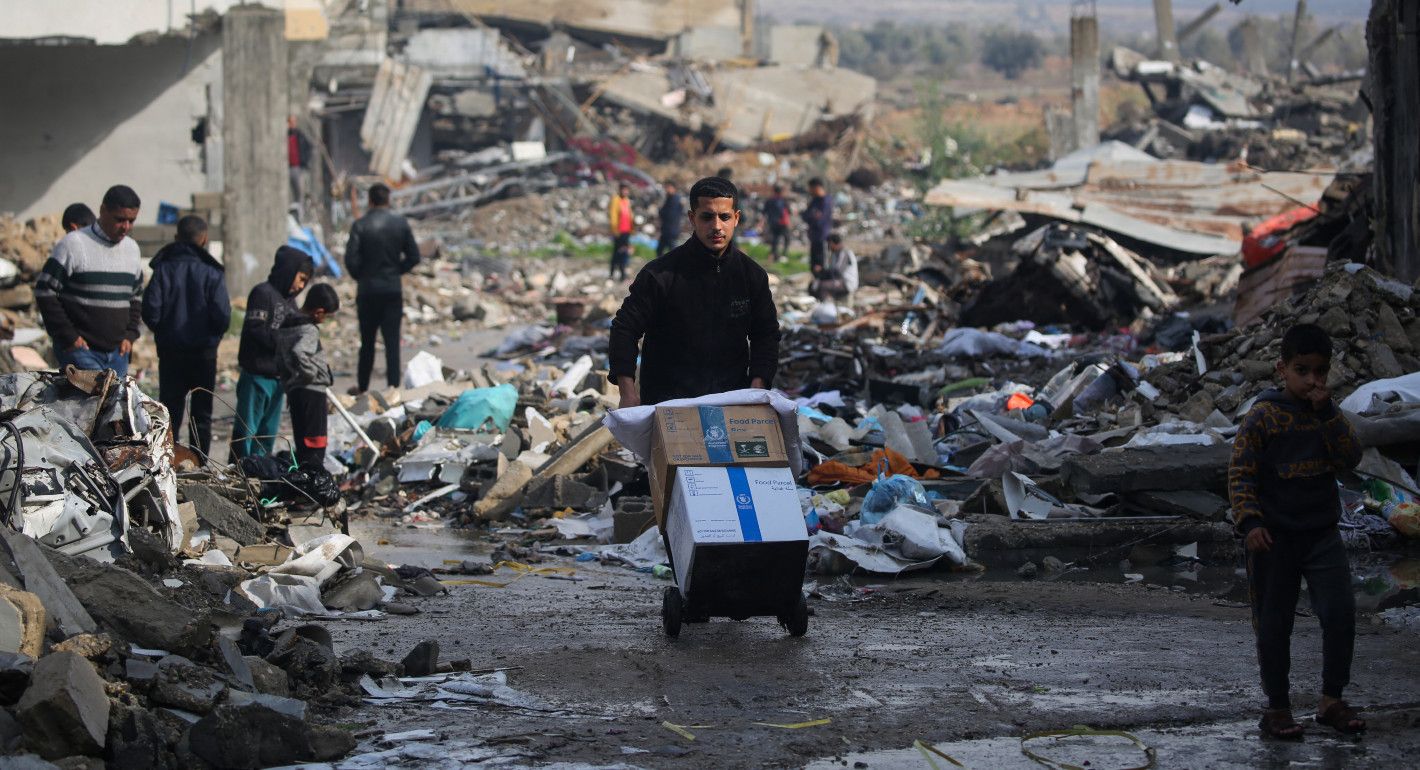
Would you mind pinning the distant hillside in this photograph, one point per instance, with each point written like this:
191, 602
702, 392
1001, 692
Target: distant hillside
1121, 15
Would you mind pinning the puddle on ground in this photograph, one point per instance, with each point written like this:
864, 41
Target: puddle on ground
422, 546
1217, 745
1381, 579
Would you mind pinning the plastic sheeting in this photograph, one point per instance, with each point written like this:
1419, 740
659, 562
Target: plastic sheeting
476, 407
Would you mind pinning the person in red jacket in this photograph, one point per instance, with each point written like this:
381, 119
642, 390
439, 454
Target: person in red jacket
622, 223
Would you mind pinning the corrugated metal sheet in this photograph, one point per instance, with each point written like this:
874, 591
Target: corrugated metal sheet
1196, 208
1291, 273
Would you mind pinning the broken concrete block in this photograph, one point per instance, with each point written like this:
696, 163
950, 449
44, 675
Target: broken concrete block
1256, 371
250, 736
15, 671
11, 733
182, 684
311, 668
632, 516
17, 297
233, 664
354, 592
42, 580
1147, 468
290, 707
423, 660
22, 619
223, 515
1198, 407
89, 646
131, 608
1391, 331
1383, 362
268, 678
561, 492
65, 709
493, 503
137, 740
1193, 503
363, 662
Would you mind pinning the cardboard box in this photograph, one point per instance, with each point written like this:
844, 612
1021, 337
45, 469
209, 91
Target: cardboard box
708, 436
740, 530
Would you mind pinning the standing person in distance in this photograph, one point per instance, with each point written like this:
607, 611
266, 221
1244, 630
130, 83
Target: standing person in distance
380, 251
818, 217
671, 214
622, 223
186, 306
90, 290
776, 224
701, 319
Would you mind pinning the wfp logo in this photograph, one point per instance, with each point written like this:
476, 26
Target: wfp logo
743, 500
714, 433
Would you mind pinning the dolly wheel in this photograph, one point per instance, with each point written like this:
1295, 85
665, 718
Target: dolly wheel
671, 612
798, 619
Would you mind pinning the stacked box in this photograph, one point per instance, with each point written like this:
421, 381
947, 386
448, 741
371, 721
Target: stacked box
740, 532
710, 436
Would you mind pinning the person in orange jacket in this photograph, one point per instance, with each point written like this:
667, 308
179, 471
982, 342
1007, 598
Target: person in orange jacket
622, 223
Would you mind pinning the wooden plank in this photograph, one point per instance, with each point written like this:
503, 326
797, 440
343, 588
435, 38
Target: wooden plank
43, 581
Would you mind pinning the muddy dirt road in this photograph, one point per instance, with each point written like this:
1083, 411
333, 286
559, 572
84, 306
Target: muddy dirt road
969, 665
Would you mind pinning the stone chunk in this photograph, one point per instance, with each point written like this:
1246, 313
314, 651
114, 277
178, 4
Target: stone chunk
262, 731
15, 670
423, 660
22, 619
1149, 468
131, 608
1193, 503
137, 740
223, 515
355, 592
65, 710
268, 678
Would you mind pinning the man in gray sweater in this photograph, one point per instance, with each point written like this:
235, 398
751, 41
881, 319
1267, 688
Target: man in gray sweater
90, 291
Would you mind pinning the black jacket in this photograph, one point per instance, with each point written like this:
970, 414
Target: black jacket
709, 325
672, 215
269, 307
1285, 459
186, 303
373, 253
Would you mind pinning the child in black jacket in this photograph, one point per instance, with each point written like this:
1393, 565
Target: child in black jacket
1282, 484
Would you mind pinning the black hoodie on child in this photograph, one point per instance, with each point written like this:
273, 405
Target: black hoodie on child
269, 307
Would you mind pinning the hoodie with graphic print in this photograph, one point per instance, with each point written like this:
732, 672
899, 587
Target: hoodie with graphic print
1285, 460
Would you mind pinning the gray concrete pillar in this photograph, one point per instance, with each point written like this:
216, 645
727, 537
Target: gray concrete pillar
1085, 79
1163, 22
1254, 58
255, 103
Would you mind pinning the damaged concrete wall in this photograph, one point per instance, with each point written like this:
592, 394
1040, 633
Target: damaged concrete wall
643, 19
108, 23
80, 115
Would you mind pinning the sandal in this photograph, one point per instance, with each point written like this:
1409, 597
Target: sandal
1278, 723
1341, 717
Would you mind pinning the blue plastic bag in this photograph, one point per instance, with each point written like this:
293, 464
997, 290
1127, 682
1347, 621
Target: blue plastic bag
475, 407
888, 492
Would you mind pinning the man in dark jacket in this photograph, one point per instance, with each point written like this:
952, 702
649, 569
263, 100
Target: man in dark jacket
818, 216
704, 309
776, 224
380, 250
269, 307
186, 306
671, 214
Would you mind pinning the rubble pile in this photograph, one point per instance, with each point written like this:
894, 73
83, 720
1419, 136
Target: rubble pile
1205, 113
1373, 321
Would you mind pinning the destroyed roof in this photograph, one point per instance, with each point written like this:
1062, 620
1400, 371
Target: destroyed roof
752, 105
620, 19
1195, 208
